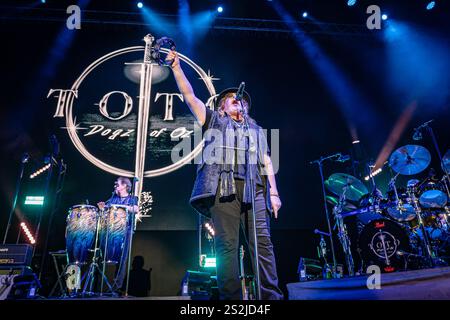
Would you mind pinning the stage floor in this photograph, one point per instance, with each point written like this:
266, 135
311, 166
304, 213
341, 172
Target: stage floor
426, 284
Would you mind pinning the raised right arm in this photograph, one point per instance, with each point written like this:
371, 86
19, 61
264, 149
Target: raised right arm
197, 107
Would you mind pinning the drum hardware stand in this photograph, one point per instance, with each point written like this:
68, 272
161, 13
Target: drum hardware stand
93, 267
105, 253
319, 163
343, 234
430, 254
392, 185
322, 248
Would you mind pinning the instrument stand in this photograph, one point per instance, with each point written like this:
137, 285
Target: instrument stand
319, 163
61, 275
430, 253
343, 234
392, 185
94, 267
105, 252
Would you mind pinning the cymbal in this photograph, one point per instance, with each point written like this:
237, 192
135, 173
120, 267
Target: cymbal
334, 201
410, 159
446, 162
354, 188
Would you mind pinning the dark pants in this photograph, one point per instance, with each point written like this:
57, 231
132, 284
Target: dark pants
228, 216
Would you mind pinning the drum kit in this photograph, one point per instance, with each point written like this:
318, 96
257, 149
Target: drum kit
104, 233
406, 229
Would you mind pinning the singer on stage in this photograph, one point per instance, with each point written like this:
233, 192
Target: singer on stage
222, 188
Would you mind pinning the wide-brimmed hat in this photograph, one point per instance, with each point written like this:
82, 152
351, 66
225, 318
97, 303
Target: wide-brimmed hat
246, 97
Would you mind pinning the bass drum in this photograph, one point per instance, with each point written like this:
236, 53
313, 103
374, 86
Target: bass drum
379, 244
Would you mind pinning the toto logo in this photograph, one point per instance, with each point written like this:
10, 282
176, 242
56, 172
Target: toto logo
121, 112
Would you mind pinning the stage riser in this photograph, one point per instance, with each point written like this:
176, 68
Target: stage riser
430, 284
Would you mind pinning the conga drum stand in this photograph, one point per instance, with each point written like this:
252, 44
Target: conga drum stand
93, 268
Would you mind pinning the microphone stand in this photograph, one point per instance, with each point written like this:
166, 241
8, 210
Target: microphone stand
319, 163
24, 160
251, 149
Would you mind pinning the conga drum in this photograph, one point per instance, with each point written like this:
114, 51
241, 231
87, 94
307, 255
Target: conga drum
113, 232
81, 224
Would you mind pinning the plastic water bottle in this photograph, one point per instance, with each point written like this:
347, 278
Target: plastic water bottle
302, 270
184, 287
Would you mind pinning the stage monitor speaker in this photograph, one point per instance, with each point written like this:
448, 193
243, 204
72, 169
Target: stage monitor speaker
24, 287
197, 285
8, 276
15, 255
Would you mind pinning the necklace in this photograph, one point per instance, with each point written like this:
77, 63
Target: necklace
239, 124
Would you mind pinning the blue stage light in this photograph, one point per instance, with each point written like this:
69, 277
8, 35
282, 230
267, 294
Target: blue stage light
42, 1
351, 3
305, 14
431, 5
384, 17
220, 9
140, 5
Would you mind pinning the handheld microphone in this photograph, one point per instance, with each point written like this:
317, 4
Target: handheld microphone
240, 92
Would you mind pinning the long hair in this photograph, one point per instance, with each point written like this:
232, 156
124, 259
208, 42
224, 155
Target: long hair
222, 103
124, 180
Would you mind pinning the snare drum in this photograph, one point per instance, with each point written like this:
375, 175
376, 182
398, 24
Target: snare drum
114, 225
81, 224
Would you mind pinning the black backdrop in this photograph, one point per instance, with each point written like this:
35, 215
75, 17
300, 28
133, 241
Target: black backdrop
286, 92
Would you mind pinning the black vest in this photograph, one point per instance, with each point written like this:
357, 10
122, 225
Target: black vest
207, 180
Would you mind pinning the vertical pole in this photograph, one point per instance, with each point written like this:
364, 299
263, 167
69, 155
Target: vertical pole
327, 216
25, 158
143, 114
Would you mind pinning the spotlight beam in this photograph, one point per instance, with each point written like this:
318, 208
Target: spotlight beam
354, 107
158, 22
395, 135
184, 20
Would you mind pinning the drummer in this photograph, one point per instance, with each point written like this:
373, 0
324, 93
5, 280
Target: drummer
122, 196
